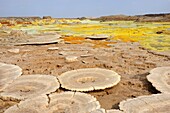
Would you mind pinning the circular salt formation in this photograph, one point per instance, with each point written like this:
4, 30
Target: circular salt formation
29, 86
160, 79
8, 73
35, 105
72, 102
89, 79
46, 39
158, 103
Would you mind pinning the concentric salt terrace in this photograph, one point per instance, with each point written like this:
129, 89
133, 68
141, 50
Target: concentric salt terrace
8, 73
160, 79
89, 79
65, 102
156, 103
29, 86
73, 102
38, 40
33, 105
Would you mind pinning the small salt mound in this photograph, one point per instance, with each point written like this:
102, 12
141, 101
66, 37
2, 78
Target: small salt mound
13, 50
53, 48
97, 37
71, 58
86, 55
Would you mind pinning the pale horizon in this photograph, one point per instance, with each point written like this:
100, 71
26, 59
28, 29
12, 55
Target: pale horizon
77, 8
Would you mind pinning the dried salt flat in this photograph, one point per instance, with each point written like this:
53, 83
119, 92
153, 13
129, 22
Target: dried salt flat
35, 105
29, 86
97, 37
157, 103
89, 79
73, 102
160, 79
46, 39
65, 102
8, 73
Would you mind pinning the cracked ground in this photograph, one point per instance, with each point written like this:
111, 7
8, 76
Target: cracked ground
129, 60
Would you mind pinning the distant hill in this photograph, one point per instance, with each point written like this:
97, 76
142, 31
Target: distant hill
165, 17
10, 18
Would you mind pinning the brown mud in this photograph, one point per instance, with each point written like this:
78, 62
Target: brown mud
130, 60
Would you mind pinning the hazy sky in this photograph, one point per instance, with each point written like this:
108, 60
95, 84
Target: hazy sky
79, 8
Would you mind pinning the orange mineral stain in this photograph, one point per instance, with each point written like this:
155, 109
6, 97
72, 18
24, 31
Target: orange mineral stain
74, 40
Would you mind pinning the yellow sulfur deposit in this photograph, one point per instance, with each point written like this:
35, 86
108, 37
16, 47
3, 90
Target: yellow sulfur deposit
152, 35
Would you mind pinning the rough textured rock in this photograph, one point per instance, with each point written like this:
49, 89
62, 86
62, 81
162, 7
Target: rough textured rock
47, 17
8, 73
89, 79
29, 86
157, 103
160, 78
